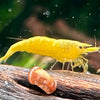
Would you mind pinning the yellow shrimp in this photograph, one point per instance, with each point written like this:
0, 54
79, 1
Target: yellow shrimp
61, 50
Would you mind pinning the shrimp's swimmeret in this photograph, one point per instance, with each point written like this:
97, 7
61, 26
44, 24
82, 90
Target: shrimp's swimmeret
62, 50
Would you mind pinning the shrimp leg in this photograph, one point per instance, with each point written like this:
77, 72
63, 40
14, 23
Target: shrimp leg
63, 64
53, 65
68, 66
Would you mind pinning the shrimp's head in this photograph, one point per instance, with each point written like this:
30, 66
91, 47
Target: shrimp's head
75, 49
84, 48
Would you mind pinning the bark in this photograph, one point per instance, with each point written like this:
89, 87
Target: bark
14, 85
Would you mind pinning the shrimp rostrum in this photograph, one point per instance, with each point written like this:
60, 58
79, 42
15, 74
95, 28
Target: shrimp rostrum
62, 50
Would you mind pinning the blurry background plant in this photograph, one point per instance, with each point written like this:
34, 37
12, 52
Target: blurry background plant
53, 18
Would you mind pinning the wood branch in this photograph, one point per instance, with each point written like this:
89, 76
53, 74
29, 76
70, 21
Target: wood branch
14, 85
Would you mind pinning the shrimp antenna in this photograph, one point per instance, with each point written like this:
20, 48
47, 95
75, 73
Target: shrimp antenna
95, 40
15, 38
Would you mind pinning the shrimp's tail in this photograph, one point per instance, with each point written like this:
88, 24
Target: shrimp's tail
3, 59
10, 52
19, 46
6, 56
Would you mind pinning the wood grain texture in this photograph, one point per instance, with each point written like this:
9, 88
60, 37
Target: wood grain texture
14, 85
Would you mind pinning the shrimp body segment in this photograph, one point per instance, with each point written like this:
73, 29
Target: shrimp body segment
60, 49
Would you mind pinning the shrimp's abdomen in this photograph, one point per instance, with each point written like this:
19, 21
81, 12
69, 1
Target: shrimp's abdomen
50, 47
36, 45
40, 45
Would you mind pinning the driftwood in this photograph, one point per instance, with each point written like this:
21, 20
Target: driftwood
14, 85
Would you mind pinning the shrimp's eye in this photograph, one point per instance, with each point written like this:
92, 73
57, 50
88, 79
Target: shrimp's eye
80, 47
